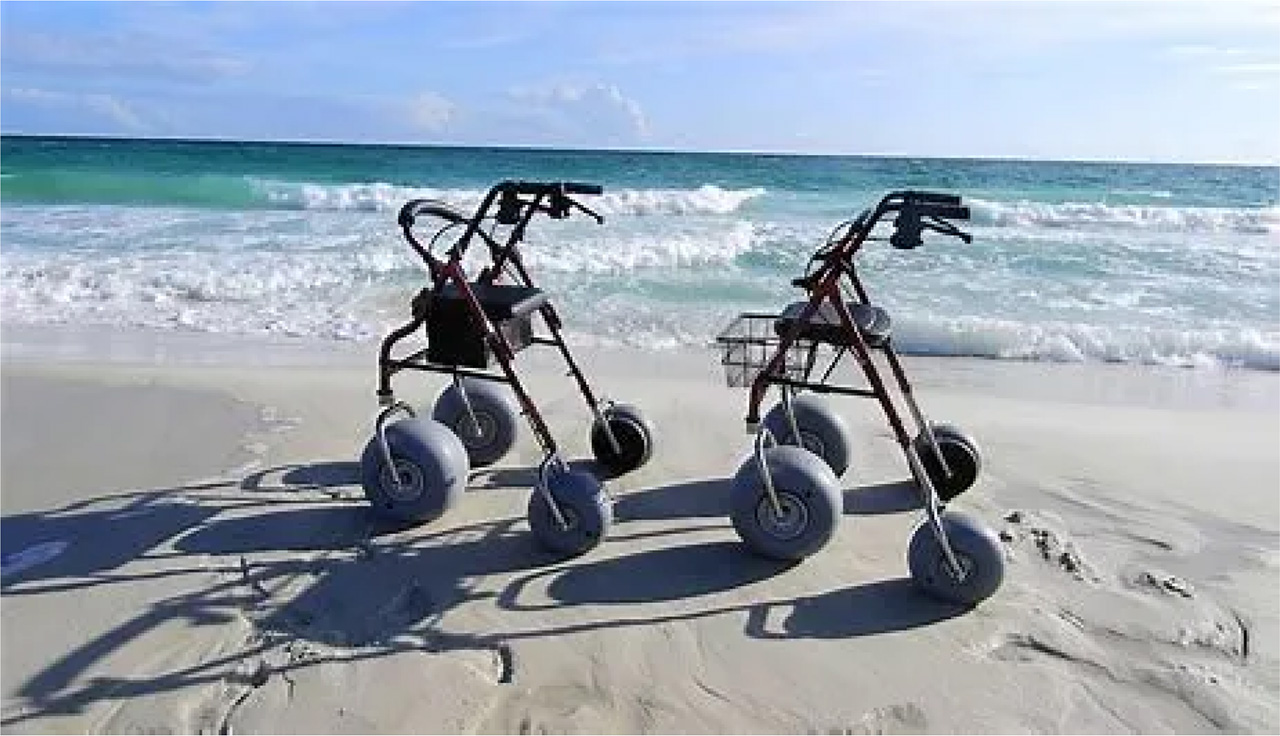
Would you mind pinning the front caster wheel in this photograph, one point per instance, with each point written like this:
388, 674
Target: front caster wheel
822, 431
808, 510
584, 506
963, 457
633, 433
428, 476
493, 433
976, 549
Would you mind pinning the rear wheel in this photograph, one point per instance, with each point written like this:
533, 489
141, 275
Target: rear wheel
964, 460
493, 433
633, 433
822, 431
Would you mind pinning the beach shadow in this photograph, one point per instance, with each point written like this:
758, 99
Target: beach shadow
655, 575
340, 575
332, 585
286, 530
709, 498
321, 476
503, 477
83, 541
862, 610
882, 498
706, 498
393, 591
526, 477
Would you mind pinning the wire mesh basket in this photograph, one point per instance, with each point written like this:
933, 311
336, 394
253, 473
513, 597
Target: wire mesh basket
750, 342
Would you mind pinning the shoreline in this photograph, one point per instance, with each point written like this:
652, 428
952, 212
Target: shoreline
1152, 386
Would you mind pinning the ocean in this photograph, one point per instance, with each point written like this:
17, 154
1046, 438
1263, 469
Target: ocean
1114, 262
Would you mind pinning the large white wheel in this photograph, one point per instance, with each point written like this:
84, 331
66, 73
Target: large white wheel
976, 548
809, 504
496, 415
584, 506
428, 474
822, 431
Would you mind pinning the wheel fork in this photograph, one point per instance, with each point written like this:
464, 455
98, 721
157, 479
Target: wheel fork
380, 431
608, 430
762, 436
544, 487
930, 497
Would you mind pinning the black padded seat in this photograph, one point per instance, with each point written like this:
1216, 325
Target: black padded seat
501, 301
824, 324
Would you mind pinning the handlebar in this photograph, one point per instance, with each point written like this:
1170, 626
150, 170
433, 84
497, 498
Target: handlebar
913, 197
512, 203
942, 211
575, 187
549, 188
415, 207
917, 211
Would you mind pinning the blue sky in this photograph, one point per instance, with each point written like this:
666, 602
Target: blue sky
1149, 81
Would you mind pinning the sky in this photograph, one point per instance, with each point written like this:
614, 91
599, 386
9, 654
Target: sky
1135, 81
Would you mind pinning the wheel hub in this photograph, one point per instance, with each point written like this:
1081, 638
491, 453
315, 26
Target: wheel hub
478, 435
407, 484
788, 521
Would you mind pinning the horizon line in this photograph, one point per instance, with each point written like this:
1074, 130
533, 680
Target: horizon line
607, 149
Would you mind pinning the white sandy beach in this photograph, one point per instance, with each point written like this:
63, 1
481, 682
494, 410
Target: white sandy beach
187, 549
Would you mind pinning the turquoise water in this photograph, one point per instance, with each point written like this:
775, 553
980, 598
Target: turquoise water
1167, 264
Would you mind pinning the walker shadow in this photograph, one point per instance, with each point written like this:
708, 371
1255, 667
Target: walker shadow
705, 498
862, 610
82, 543
508, 476
651, 576
341, 576
883, 498
692, 571
709, 498
323, 476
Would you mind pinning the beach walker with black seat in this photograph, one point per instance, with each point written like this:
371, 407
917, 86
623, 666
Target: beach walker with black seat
786, 499
415, 467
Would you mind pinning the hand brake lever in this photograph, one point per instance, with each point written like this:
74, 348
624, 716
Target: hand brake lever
590, 212
947, 228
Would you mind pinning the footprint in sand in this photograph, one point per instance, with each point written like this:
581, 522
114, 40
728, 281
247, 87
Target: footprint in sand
1054, 547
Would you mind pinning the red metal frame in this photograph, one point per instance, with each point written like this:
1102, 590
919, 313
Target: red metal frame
836, 262
551, 198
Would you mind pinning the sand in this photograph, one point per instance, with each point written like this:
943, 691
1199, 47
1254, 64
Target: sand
187, 549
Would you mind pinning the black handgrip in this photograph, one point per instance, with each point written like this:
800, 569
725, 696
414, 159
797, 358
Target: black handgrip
550, 188
943, 211
577, 187
930, 198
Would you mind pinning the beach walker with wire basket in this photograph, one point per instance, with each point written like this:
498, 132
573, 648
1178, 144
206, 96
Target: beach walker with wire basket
415, 467
786, 499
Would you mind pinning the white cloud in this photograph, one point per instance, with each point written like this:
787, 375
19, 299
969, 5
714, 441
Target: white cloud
102, 106
120, 54
594, 110
431, 112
